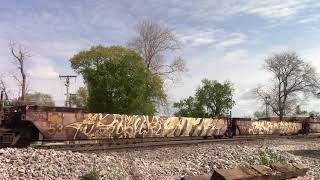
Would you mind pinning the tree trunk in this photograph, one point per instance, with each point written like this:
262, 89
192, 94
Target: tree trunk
20, 55
23, 75
23, 87
281, 115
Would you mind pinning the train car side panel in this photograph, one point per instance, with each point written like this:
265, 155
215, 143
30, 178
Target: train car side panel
315, 127
104, 126
268, 127
75, 125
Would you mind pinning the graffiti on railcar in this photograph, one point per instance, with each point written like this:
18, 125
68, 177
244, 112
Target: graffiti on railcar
54, 123
49, 123
98, 126
273, 127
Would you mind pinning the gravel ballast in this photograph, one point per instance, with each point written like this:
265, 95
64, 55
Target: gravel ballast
170, 162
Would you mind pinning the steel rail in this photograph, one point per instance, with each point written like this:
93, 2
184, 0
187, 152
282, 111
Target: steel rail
115, 145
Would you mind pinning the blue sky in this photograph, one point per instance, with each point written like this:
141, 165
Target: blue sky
222, 40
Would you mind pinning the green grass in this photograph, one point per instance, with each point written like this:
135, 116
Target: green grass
92, 175
268, 157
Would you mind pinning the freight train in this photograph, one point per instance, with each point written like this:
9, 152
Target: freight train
22, 125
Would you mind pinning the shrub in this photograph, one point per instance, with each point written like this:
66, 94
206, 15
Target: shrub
92, 175
268, 157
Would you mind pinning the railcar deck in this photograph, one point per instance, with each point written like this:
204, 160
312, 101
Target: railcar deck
103, 145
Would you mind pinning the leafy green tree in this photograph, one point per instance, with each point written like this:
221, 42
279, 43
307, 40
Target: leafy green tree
118, 81
80, 99
211, 99
314, 115
260, 114
189, 108
300, 112
215, 97
39, 99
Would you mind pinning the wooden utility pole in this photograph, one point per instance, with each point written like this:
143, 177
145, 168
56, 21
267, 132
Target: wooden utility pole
67, 85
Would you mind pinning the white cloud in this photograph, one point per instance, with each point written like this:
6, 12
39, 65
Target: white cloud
309, 19
216, 37
275, 8
232, 39
43, 72
312, 55
200, 37
220, 10
62, 48
237, 55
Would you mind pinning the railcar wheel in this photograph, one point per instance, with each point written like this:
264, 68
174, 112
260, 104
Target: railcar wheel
25, 134
229, 133
24, 138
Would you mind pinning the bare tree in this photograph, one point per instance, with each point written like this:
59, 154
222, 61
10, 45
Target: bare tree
20, 54
153, 42
3, 88
291, 76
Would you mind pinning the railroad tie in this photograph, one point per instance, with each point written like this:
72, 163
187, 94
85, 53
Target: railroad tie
276, 171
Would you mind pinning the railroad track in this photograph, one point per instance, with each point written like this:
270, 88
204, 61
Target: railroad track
103, 145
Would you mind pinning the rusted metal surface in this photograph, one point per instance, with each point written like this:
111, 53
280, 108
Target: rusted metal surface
268, 127
288, 119
123, 144
314, 127
6, 137
61, 123
70, 123
79, 125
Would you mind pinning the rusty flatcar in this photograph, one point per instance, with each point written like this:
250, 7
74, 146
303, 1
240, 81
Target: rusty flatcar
21, 125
